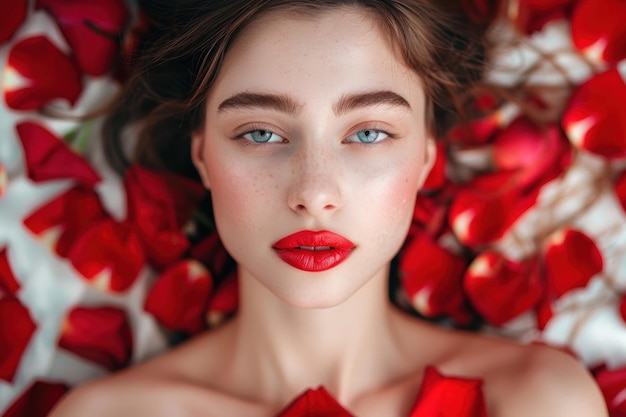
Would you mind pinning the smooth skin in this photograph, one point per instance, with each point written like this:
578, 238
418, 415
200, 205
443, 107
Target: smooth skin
314, 124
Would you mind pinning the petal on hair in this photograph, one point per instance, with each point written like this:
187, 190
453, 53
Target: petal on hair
224, 302
314, 403
62, 221
98, 334
595, 117
571, 259
93, 30
160, 205
37, 400
13, 14
178, 299
109, 255
16, 332
8, 283
38, 72
598, 30
536, 155
49, 158
501, 289
444, 396
431, 277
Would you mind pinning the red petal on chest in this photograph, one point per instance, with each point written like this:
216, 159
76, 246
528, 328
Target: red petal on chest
314, 403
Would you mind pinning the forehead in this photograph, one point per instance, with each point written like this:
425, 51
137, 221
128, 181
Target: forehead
309, 52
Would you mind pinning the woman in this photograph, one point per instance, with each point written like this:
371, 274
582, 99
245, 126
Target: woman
313, 125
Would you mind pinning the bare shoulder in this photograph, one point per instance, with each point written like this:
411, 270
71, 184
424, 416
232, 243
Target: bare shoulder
532, 380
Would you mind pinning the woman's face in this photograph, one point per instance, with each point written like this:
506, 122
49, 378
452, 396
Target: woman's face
313, 125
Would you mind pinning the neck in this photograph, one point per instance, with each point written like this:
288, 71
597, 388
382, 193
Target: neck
348, 348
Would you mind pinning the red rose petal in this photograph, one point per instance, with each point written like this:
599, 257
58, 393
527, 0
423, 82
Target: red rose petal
532, 15
211, 252
8, 283
481, 12
612, 383
224, 302
437, 176
314, 403
13, 14
620, 189
595, 116
501, 289
16, 330
38, 72
63, 220
92, 29
571, 259
598, 29
100, 334
49, 158
109, 255
431, 277
160, 205
178, 299
444, 396
37, 400
536, 155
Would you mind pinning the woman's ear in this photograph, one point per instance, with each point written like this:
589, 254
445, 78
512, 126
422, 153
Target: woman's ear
197, 156
430, 155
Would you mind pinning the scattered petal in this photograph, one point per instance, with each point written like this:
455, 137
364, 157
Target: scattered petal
109, 256
15, 333
532, 15
60, 222
612, 383
29, 85
13, 14
595, 117
37, 400
178, 299
598, 30
98, 334
224, 301
211, 253
92, 28
501, 289
436, 179
8, 283
571, 259
49, 158
314, 403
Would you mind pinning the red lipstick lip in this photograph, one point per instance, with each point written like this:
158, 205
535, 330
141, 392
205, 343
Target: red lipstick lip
313, 251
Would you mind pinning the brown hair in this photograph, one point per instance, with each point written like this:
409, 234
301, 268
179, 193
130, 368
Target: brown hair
182, 55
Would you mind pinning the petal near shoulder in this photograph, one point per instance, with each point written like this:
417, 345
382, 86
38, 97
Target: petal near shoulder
548, 382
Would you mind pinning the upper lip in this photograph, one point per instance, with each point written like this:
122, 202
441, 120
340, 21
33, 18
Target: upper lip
310, 240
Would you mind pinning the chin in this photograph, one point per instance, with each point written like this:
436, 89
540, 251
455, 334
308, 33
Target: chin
315, 300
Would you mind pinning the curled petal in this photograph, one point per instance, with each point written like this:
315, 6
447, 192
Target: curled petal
595, 117
178, 299
37, 400
13, 14
108, 255
8, 283
92, 29
532, 15
571, 259
16, 332
537, 156
598, 30
160, 205
38, 72
224, 301
431, 277
444, 396
612, 383
49, 158
98, 334
501, 289
314, 403
620, 189
63, 220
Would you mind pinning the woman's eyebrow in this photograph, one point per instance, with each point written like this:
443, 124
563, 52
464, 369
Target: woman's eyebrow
286, 104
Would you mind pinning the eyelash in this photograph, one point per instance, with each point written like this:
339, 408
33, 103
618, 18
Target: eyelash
252, 128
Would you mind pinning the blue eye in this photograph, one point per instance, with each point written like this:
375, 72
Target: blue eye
262, 136
367, 136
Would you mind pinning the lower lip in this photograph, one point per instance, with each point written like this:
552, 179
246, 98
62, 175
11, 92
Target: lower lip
313, 261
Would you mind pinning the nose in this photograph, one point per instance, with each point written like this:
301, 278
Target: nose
315, 188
